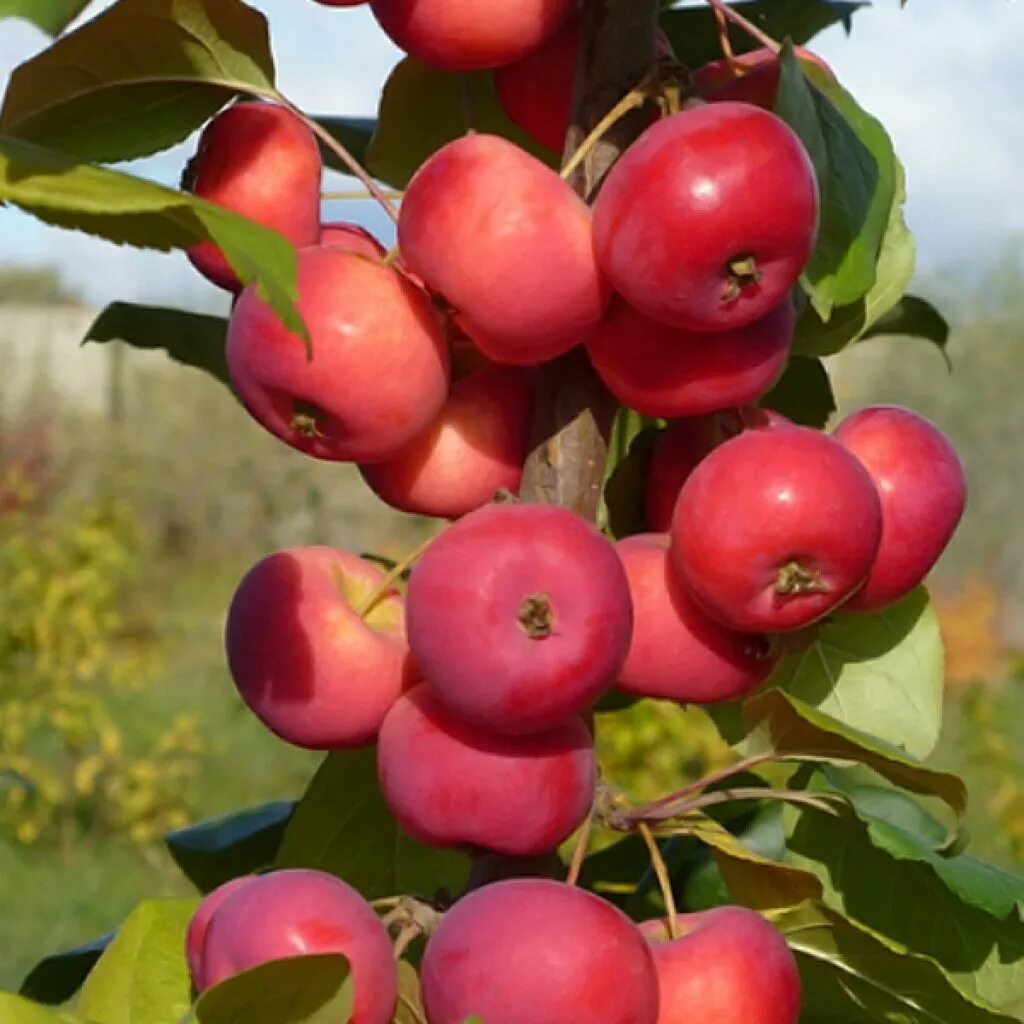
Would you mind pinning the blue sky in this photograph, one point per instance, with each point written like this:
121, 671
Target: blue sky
943, 75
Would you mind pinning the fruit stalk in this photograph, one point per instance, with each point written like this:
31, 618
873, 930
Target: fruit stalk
573, 412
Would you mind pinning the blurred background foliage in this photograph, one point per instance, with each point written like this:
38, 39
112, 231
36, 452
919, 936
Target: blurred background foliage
134, 494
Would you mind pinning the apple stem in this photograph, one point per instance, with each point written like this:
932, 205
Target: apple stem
793, 580
664, 882
393, 575
392, 255
633, 99
723, 10
724, 41
579, 852
466, 97
361, 193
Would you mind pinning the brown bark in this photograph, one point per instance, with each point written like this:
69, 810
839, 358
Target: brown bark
573, 413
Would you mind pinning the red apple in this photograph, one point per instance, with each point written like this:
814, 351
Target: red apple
195, 934
923, 490
728, 966
474, 448
450, 784
341, 3
708, 218
508, 244
749, 77
259, 160
519, 617
351, 237
533, 951
467, 35
665, 371
378, 372
677, 652
775, 529
300, 913
311, 668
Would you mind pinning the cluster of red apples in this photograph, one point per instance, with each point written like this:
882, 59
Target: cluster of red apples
477, 685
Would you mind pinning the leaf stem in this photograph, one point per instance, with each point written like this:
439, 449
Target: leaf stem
725, 796
664, 882
744, 765
725, 11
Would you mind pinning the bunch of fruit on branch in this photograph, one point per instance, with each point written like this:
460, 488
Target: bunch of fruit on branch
478, 684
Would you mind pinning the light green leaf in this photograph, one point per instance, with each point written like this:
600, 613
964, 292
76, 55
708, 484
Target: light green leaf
139, 77
410, 1003
52, 16
17, 1010
142, 977
131, 211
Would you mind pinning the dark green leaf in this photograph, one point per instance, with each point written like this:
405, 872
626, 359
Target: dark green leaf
215, 851
131, 211
300, 990
803, 393
193, 339
915, 317
792, 728
421, 109
138, 78
354, 133
17, 1010
694, 34
142, 977
52, 16
56, 978
881, 673
342, 825
622, 510
856, 169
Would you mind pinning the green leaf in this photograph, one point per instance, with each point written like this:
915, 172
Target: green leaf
52, 16
342, 825
131, 211
410, 1003
138, 78
803, 393
56, 978
856, 169
880, 672
694, 34
17, 1010
622, 511
421, 109
905, 900
794, 729
308, 989
354, 133
215, 851
193, 339
915, 317
142, 977
851, 974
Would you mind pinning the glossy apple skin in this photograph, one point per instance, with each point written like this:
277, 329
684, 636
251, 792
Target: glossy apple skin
666, 371
195, 934
261, 161
923, 490
501, 626
728, 966
450, 784
533, 951
469, 35
341, 3
379, 369
475, 447
351, 237
508, 244
313, 671
302, 912
677, 652
765, 501
751, 78
698, 190
683, 444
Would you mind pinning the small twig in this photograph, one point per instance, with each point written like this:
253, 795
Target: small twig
391, 578
748, 26
579, 852
408, 934
386, 902
633, 99
664, 882
361, 193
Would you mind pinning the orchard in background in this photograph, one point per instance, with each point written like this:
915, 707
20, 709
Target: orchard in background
626, 237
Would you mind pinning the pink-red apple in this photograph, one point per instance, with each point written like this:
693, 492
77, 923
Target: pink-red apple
708, 219
301, 912
519, 616
195, 934
923, 490
312, 668
508, 244
474, 448
728, 966
260, 160
532, 951
351, 237
450, 784
468, 35
677, 652
667, 371
377, 373
775, 529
